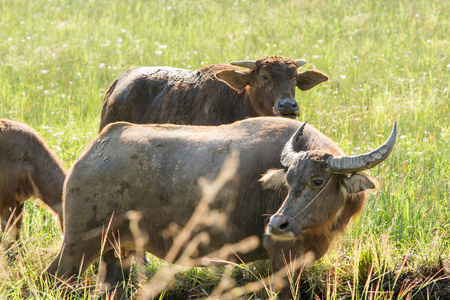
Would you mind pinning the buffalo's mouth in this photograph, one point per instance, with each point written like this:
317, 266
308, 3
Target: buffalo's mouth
279, 233
293, 114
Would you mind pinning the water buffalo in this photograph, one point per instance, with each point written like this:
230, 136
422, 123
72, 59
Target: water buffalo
28, 168
214, 95
154, 169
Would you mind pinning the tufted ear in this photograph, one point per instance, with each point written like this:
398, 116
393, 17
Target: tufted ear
235, 79
358, 182
310, 79
274, 179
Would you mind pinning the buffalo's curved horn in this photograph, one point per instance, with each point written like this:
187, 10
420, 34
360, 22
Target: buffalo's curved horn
249, 64
300, 62
288, 154
353, 164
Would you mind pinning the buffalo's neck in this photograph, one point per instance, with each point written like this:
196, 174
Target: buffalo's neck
49, 179
242, 107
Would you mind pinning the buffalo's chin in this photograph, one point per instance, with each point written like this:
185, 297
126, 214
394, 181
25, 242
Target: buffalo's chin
290, 115
289, 235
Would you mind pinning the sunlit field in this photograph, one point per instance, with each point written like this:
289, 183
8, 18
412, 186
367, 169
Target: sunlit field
387, 60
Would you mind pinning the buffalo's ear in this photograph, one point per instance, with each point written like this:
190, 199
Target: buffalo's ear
310, 79
274, 179
235, 79
358, 182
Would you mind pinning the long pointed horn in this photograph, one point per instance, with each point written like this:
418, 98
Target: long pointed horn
250, 64
300, 62
288, 154
353, 164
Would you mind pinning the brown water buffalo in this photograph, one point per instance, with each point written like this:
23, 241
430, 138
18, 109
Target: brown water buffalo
214, 95
154, 169
28, 168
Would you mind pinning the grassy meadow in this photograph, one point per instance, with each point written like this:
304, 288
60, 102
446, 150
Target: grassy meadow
387, 60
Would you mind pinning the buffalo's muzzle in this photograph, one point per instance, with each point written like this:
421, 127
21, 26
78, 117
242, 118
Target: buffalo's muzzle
278, 225
286, 107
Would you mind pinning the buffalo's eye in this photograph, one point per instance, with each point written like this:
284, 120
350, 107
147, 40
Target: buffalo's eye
317, 182
265, 78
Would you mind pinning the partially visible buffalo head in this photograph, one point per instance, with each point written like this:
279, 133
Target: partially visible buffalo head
325, 191
270, 83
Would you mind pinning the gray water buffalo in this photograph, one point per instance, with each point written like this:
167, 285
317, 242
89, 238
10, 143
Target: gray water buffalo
154, 169
28, 168
214, 95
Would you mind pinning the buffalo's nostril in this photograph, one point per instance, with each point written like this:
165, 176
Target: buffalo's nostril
279, 225
286, 105
280, 105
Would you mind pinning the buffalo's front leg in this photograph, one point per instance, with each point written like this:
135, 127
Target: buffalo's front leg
11, 216
115, 273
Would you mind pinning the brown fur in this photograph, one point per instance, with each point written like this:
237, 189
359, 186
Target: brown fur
214, 95
28, 168
154, 169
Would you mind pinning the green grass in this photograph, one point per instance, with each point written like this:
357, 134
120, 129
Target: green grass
387, 60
